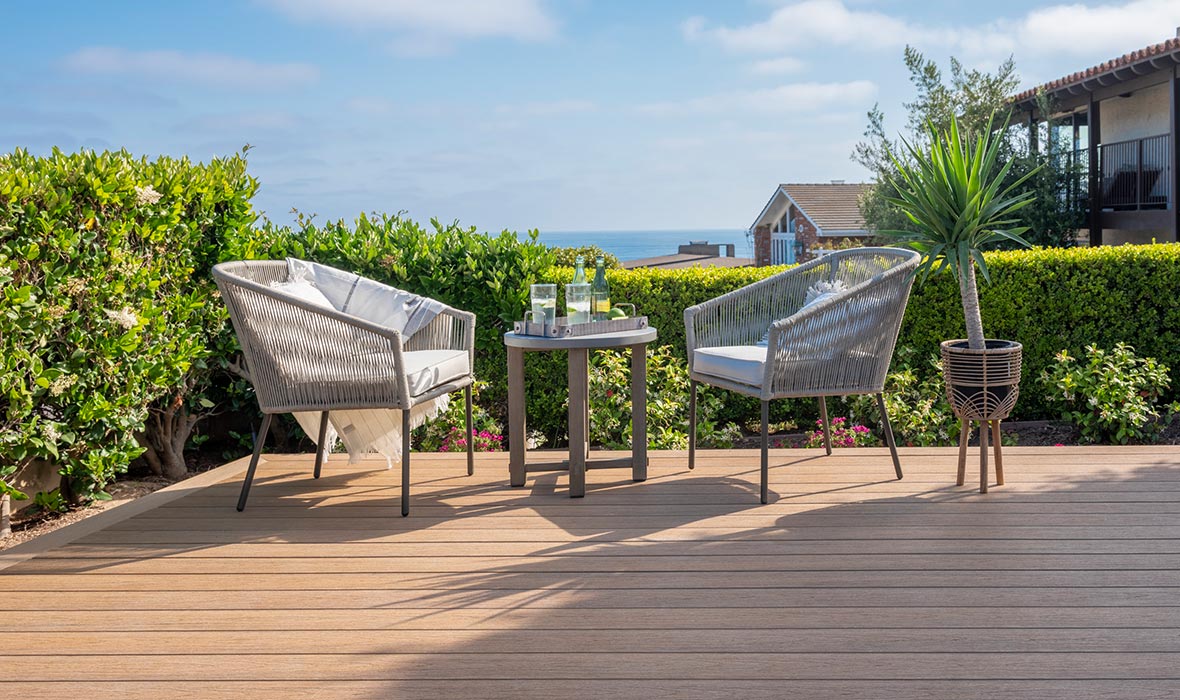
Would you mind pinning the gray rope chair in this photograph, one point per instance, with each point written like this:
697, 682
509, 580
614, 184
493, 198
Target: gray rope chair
301, 356
764, 340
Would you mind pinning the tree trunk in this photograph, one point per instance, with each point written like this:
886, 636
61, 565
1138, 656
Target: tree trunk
165, 437
969, 292
5, 516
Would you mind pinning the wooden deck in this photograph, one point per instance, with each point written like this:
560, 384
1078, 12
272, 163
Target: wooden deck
1064, 583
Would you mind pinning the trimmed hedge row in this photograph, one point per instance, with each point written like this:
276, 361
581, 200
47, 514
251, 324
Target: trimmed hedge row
1047, 299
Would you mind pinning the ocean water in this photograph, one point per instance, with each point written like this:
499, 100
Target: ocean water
629, 245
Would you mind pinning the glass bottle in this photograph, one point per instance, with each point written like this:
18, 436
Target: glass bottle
600, 292
579, 270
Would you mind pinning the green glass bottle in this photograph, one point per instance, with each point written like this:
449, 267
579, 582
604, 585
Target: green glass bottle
579, 270
600, 292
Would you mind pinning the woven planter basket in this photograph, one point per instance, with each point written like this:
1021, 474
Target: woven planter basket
982, 384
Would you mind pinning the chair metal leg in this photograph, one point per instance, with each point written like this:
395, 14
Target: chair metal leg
692, 424
823, 414
983, 428
320, 447
258, 442
999, 453
470, 436
405, 462
889, 434
964, 438
765, 450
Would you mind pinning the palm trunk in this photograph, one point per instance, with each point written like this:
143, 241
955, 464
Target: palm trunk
969, 292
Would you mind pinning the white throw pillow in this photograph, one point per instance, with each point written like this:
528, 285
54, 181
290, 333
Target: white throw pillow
821, 291
304, 291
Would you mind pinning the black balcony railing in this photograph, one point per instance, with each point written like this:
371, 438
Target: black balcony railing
1136, 174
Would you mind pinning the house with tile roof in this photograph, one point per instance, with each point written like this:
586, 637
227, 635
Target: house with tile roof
802, 218
1119, 121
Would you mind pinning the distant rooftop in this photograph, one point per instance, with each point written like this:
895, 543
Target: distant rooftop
682, 260
1161, 56
833, 206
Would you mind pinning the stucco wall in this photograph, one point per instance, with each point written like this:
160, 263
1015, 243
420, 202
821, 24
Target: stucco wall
1144, 113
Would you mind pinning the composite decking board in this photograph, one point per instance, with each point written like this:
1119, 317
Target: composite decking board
867, 665
553, 641
960, 618
490, 582
352, 689
849, 584
695, 533
701, 551
493, 599
639, 561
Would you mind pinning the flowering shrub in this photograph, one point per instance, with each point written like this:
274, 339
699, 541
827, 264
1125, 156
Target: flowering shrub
1111, 396
442, 433
843, 435
483, 441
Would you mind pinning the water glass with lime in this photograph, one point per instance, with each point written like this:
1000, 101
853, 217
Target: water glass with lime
544, 301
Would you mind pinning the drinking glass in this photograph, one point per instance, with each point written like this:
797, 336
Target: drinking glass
577, 303
544, 298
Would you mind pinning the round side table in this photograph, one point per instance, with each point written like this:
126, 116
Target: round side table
579, 348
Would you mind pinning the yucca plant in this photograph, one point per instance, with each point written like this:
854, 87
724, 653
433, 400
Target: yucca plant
953, 193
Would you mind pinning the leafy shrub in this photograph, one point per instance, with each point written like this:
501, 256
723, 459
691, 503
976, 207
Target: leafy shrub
919, 412
667, 403
568, 257
1111, 396
99, 315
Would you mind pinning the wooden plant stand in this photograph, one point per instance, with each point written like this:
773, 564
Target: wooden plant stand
965, 435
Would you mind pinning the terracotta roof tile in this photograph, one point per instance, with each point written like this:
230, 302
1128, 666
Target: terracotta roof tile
833, 207
1171, 46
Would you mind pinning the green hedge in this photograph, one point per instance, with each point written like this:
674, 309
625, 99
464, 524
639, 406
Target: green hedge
106, 304
1047, 299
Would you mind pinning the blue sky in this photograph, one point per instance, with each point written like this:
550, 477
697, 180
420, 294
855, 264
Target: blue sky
551, 114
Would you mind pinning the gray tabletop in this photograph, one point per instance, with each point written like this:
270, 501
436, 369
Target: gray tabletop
598, 341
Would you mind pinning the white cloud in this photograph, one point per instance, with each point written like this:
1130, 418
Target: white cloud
803, 24
429, 27
202, 68
1062, 29
795, 97
778, 66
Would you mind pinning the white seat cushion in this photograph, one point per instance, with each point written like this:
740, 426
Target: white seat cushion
745, 364
430, 368
427, 369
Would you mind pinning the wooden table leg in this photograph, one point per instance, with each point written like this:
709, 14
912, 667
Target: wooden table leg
517, 441
578, 381
639, 412
983, 428
999, 453
964, 438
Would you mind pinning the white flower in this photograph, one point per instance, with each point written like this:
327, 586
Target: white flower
125, 317
51, 433
59, 385
146, 195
